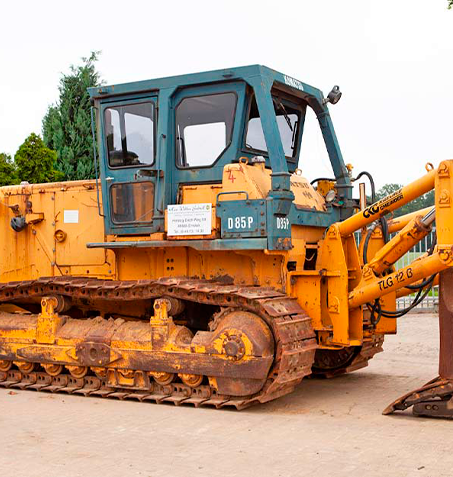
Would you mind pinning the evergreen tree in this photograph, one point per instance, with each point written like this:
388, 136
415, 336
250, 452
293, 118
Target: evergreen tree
35, 162
8, 174
67, 125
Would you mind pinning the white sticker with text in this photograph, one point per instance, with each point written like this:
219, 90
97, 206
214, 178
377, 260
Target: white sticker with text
294, 83
189, 219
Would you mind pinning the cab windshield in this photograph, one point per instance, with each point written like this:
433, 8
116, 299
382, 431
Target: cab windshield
288, 119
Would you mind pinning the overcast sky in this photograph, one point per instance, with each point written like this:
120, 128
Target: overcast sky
392, 59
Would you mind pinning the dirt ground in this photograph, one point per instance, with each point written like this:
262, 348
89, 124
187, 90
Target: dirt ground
326, 428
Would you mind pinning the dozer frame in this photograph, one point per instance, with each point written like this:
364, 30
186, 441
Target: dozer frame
202, 267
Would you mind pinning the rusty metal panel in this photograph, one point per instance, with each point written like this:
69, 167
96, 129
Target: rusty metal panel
446, 324
282, 306
294, 330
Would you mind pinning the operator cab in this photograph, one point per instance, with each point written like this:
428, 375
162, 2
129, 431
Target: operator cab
160, 135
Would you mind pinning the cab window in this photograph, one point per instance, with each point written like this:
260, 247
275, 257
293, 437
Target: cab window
129, 130
288, 119
204, 125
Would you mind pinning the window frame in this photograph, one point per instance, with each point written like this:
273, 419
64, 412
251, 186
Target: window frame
178, 166
112, 214
286, 101
154, 122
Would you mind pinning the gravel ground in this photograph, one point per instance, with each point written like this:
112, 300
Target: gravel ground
326, 428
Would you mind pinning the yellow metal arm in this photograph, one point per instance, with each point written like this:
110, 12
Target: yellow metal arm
374, 287
346, 284
387, 204
398, 223
399, 245
407, 291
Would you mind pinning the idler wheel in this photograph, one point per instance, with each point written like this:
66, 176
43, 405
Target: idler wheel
238, 337
163, 378
5, 365
77, 372
191, 380
53, 369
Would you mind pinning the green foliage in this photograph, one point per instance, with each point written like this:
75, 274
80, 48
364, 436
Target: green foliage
450, 4
420, 203
35, 162
8, 174
66, 126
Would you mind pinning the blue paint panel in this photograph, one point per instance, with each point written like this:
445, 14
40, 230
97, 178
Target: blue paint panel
167, 92
242, 218
114, 176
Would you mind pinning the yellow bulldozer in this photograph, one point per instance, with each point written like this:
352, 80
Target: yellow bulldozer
201, 267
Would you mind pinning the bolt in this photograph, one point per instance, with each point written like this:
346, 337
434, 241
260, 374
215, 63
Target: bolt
231, 348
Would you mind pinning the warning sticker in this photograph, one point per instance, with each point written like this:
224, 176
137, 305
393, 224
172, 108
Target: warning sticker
189, 219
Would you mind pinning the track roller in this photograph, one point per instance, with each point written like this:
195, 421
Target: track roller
25, 366
77, 372
191, 380
163, 378
53, 369
5, 365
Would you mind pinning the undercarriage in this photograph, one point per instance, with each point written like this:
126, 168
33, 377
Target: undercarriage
252, 344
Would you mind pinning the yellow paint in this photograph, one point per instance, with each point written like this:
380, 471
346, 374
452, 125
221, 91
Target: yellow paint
376, 287
399, 245
398, 223
324, 186
324, 269
35, 251
256, 181
388, 204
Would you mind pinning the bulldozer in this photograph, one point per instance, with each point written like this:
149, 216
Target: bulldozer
200, 266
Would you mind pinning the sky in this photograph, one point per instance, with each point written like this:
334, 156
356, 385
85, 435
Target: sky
391, 59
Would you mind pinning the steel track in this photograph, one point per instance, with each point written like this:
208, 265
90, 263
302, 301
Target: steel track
293, 334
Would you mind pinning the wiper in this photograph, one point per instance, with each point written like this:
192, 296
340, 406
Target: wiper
281, 107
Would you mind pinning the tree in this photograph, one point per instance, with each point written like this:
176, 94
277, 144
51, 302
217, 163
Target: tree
35, 162
450, 4
8, 173
419, 203
66, 126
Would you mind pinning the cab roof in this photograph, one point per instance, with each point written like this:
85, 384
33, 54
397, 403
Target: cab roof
293, 85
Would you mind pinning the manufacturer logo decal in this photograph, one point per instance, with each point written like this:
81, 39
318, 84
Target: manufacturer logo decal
382, 204
293, 83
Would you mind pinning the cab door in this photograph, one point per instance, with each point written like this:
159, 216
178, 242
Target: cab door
128, 168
